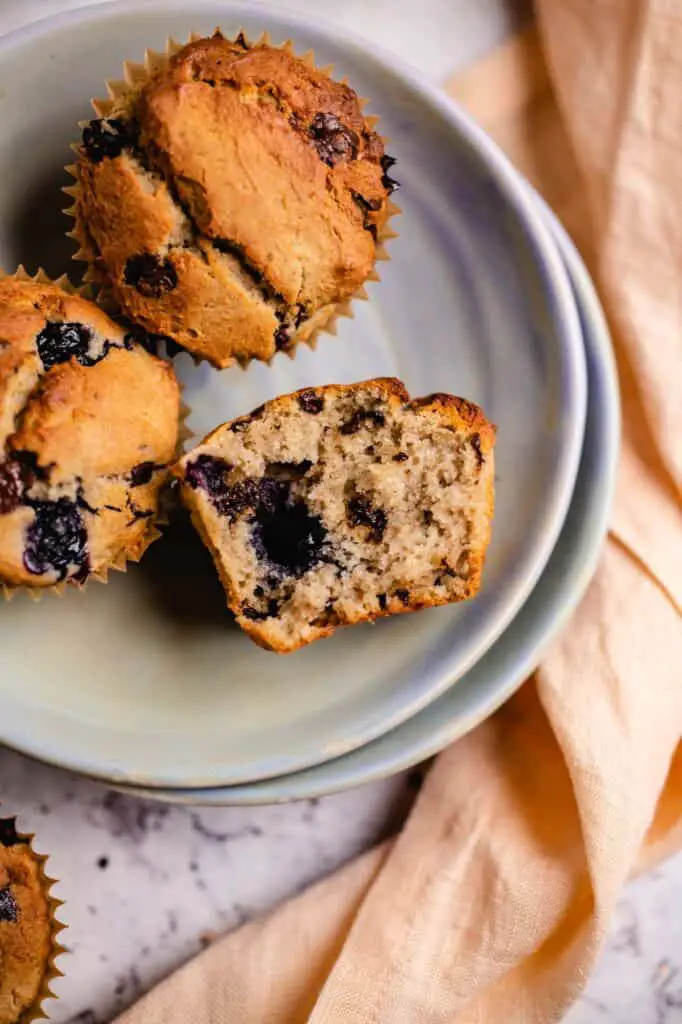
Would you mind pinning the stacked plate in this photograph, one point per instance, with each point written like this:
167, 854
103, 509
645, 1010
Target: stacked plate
145, 682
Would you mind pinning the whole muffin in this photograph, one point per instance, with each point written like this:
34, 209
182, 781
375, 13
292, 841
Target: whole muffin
26, 927
88, 425
233, 199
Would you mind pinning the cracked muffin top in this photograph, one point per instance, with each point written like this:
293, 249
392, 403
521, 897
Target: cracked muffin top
233, 199
88, 425
25, 925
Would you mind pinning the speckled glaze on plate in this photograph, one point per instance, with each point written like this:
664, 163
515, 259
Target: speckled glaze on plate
513, 657
147, 681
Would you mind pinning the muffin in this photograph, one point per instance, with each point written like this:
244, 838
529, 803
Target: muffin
88, 426
232, 198
341, 504
27, 928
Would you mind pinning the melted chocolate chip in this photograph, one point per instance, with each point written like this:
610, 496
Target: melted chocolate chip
9, 910
56, 540
310, 402
360, 417
107, 137
333, 141
360, 512
58, 342
207, 473
151, 275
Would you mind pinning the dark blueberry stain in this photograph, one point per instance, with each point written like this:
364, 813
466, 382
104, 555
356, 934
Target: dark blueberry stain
403, 596
12, 485
360, 512
401, 457
283, 337
381, 598
333, 141
107, 138
387, 181
56, 540
259, 616
58, 342
427, 517
207, 473
288, 536
143, 473
310, 402
9, 910
151, 275
8, 833
361, 417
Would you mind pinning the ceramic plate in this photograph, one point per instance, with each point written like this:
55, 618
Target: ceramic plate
147, 680
513, 657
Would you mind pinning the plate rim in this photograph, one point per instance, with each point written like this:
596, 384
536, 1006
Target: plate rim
539, 246
601, 484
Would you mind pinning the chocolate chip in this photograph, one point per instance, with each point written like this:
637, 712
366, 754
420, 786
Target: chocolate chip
310, 402
403, 595
9, 909
401, 457
151, 275
107, 137
56, 540
360, 417
333, 141
58, 342
360, 512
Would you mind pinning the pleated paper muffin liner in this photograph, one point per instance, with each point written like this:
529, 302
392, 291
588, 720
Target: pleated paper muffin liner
121, 562
35, 1011
135, 77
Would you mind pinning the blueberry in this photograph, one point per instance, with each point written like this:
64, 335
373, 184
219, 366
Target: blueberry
9, 910
401, 457
151, 275
332, 140
360, 417
310, 402
360, 512
207, 473
56, 540
387, 181
283, 337
403, 596
256, 616
58, 342
11, 486
288, 537
142, 473
105, 137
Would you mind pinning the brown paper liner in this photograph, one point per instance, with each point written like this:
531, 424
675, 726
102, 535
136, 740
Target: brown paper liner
120, 564
135, 76
35, 1011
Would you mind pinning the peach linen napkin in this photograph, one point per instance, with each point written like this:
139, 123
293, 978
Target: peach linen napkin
491, 904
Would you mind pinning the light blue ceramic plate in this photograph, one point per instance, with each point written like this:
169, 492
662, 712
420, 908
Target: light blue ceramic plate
146, 681
518, 650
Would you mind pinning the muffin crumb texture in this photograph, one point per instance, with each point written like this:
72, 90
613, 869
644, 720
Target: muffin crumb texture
232, 200
88, 426
341, 504
26, 927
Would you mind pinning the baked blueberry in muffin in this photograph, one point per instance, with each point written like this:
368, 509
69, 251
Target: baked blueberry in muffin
341, 504
233, 199
26, 926
88, 425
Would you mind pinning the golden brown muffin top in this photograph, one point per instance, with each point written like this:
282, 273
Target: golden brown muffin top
88, 423
25, 925
241, 165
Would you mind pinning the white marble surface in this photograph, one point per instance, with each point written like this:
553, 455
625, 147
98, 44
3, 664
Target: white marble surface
146, 885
